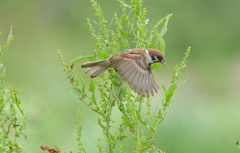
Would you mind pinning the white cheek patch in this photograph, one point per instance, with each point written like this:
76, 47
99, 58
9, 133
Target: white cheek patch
149, 59
155, 58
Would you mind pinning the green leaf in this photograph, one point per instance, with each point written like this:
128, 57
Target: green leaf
94, 99
18, 102
127, 34
114, 92
91, 57
99, 58
77, 59
115, 82
140, 118
79, 91
138, 6
155, 65
125, 4
81, 82
170, 92
80, 58
124, 41
100, 11
164, 28
153, 44
127, 122
92, 86
162, 45
10, 34
175, 72
135, 101
181, 83
154, 150
164, 88
124, 20
1, 75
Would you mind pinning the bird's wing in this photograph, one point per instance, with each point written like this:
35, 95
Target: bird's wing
132, 69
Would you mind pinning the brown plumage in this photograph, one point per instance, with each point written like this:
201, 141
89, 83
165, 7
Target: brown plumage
133, 66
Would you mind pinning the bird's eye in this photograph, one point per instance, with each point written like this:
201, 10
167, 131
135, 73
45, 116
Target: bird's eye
160, 58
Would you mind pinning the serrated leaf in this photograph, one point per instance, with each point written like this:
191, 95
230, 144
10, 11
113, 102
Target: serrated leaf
155, 65
170, 92
92, 86
140, 118
81, 82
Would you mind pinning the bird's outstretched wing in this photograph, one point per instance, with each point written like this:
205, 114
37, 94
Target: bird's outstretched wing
131, 68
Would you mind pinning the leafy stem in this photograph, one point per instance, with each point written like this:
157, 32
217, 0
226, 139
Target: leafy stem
132, 26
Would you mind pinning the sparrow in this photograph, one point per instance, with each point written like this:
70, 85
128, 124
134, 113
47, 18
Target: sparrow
133, 66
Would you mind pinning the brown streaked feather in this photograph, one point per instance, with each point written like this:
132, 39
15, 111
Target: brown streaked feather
151, 84
125, 69
136, 79
153, 80
122, 65
148, 85
129, 72
143, 83
140, 83
147, 89
92, 69
133, 75
132, 66
99, 72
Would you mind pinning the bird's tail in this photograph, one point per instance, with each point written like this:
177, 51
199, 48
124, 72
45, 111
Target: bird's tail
95, 68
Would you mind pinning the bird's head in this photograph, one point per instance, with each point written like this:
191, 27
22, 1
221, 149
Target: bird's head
156, 55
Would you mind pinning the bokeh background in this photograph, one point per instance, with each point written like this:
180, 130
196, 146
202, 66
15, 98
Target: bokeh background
204, 115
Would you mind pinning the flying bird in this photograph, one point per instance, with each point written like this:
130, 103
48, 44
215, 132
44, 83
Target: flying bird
133, 66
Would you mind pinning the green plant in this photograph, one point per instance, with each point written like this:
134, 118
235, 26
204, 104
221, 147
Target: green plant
132, 26
8, 113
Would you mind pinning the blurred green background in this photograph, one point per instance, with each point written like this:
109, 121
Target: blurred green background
204, 115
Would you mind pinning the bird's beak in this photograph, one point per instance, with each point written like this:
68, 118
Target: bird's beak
163, 62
